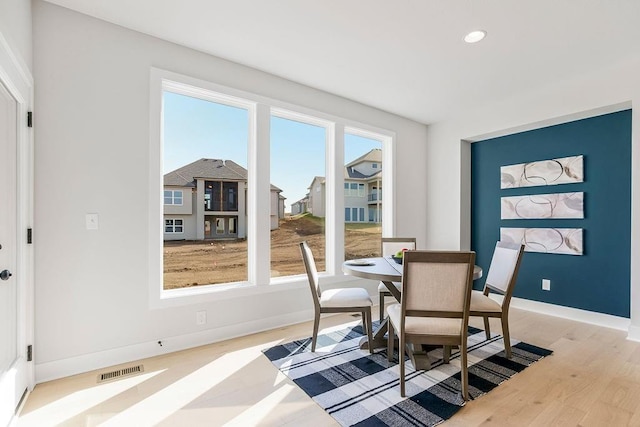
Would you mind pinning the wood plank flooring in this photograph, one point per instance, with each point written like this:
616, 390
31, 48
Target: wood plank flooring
592, 379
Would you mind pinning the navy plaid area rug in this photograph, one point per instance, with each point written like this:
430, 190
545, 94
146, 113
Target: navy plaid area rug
358, 388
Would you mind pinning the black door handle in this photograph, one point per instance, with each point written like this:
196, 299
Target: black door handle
5, 274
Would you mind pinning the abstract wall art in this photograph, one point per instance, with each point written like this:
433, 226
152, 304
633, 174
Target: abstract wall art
541, 206
546, 240
564, 170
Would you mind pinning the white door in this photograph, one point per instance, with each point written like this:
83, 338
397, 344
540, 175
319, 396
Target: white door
13, 373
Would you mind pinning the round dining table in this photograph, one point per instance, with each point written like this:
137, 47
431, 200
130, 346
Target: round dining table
387, 271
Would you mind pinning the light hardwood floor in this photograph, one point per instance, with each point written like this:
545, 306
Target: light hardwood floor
592, 379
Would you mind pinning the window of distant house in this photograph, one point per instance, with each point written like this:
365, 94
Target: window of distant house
173, 197
374, 165
173, 225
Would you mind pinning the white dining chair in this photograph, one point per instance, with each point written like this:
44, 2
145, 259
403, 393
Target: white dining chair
501, 279
343, 300
434, 309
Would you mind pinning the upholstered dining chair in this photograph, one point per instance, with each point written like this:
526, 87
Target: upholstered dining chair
501, 279
391, 245
344, 300
434, 308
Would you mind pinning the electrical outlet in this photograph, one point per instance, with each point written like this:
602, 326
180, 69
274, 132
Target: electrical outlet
92, 221
201, 317
546, 284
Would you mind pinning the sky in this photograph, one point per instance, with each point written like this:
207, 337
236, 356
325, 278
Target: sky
195, 129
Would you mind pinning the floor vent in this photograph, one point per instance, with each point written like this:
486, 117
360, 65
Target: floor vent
125, 372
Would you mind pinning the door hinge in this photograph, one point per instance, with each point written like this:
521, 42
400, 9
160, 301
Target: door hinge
30, 119
29, 353
29, 236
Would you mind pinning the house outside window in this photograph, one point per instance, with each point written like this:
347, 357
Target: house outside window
173, 226
239, 185
173, 197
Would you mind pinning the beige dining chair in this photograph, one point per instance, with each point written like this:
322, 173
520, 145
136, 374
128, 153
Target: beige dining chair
501, 279
344, 300
434, 308
389, 246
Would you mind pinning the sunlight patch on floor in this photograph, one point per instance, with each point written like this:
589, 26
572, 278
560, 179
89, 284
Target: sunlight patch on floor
261, 409
57, 412
164, 403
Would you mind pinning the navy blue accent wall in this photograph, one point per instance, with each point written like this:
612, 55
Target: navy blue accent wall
599, 280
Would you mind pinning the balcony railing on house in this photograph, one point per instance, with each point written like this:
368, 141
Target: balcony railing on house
221, 206
374, 197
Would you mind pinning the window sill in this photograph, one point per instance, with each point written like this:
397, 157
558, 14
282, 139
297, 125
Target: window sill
202, 294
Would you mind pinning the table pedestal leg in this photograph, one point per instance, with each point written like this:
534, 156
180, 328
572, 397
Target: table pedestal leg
379, 340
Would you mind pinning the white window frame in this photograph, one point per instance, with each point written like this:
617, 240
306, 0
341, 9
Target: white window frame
260, 110
173, 198
173, 226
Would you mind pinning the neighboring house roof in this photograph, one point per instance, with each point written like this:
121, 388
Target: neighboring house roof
211, 169
351, 173
374, 156
320, 178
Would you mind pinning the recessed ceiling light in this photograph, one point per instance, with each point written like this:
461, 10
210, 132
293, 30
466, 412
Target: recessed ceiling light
475, 36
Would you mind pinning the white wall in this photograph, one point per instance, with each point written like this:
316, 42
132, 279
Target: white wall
92, 140
15, 27
614, 88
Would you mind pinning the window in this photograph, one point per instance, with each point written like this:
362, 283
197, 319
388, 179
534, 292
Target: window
173, 197
354, 189
226, 237
297, 162
219, 225
205, 146
173, 226
362, 237
220, 196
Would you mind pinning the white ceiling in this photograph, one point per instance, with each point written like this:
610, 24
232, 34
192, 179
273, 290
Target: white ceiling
402, 56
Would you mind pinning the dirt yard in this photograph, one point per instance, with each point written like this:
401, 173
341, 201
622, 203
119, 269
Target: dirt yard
193, 263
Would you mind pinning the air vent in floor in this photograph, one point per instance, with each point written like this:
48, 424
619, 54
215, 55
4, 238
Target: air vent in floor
124, 372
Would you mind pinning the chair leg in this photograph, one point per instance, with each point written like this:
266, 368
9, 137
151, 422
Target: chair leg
381, 305
464, 374
316, 324
446, 353
390, 342
366, 315
505, 335
401, 359
487, 327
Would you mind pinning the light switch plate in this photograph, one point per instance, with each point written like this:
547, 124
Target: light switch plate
92, 221
546, 284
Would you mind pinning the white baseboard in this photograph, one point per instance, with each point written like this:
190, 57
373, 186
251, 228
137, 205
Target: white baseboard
584, 316
48, 371
634, 333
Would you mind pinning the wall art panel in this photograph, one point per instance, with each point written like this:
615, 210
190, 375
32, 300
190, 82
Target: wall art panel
541, 206
565, 170
546, 240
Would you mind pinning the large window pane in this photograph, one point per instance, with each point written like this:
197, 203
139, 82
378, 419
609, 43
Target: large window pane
363, 181
298, 169
205, 177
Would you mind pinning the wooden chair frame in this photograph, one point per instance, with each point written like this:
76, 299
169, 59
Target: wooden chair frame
446, 341
503, 315
365, 311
